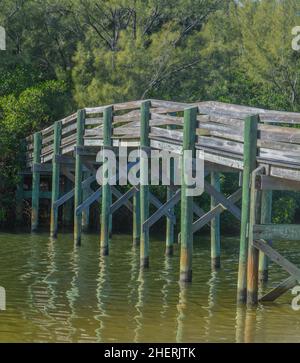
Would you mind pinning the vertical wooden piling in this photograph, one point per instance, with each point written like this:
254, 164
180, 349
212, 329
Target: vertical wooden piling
186, 249
215, 226
86, 212
78, 177
144, 189
136, 219
106, 188
266, 218
250, 151
37, 147
170, 225
19, 200
20, 184
55, 179
253, 253
68, 206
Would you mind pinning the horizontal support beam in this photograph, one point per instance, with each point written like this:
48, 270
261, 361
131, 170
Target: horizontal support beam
288, 232
162, 210
277, 258
42, 195
64, 159
265, 182
38, 167
84, 151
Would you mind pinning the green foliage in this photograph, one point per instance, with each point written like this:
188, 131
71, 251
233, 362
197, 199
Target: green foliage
65, 54
284, 209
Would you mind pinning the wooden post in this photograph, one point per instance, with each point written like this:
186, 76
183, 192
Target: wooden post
106, 188
253, 252
186, 250
250, 151
215, 226
86, 212
78, 177
68, 206
37, 147
170, 225
55, 179
19, 200
266, 218
136, 219
20, 184
144, 189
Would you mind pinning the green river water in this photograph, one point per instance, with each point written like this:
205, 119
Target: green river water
58, 293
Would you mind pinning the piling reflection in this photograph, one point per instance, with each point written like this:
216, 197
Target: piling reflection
166, 276
72, 294
250, 325
182, 307
212, 298
102, 281
139, 306
58, 293
240, 323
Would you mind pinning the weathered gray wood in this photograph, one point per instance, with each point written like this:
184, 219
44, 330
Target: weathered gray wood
123, 199
153, 200
62, 200
65, 160
119, 195
244, 111
38, 167
66, 172
223, 200
288, 232
163, 210
277, 258
279, 290
218, 209
91, 199
285, 173
271, 183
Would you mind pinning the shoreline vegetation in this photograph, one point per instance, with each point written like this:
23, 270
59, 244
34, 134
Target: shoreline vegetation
63, 55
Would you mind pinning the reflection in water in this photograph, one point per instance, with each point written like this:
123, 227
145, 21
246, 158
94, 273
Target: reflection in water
181, 308
73, 293
212, 296
240, 323
101, 290
139, 307
56, 292
250, 325
166, 276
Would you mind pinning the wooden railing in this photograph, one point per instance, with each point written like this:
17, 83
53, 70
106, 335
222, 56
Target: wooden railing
219, 133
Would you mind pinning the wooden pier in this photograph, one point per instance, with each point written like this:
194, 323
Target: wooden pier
262, 146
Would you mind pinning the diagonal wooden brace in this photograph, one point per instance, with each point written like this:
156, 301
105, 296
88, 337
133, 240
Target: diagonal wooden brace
223, 200
206, 218
162, 210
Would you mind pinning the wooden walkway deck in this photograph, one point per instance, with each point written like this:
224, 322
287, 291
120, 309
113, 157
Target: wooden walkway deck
262, 146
